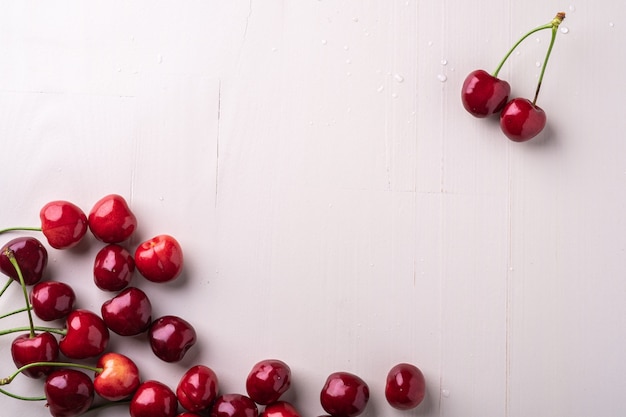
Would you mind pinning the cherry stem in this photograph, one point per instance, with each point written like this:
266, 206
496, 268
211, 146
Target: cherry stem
20, 397
9, 253
6, 286
555, 25
21, 310
552, 25
14, 229
10, 378
61, 332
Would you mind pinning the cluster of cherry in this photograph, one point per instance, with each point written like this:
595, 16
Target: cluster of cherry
70, 390
484, 94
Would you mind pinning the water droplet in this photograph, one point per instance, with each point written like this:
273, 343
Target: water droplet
159, 59
538, 40
348, 61
355, 19
399, 78
444, 62
119, 69
611, 24
346, 47
537, 64
380, 88
274, 49
572, 8
324, 42
445, 393
442, 78
564, 30
430, 43
394, 95
348, 74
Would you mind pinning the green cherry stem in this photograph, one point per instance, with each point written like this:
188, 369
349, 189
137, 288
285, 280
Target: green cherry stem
21, 310
23, 229
20, 397
9, 253
554, 24
6, 286
10, 378
58, 331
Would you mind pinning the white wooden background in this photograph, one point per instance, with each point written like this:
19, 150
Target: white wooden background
338, 208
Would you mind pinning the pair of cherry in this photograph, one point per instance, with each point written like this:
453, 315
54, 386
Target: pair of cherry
484, 94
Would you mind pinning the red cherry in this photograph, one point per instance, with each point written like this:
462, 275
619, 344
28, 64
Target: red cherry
113, 268
40, 348
197, 388
188, 414
234, 405
522, 120
86, 335
64, 224
119, 378
268, 380
69, 393
31, 256
280, 409
405, 388
171, 337
344, 394
129, 313
52, 300
483, 94
153, 399
159, 259
111, 220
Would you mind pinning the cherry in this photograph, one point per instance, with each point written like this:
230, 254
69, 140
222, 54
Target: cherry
42, 347
522, 120
52, 300
483, 94
63, 224
119, 378
159, 259
344, 394
405, 387
171, 337
188, 414
197, 388
268, 380
69, 392
111, 220
129, 313
153, 399
86, 336
234, 405
113, 268
280, 409
30, 254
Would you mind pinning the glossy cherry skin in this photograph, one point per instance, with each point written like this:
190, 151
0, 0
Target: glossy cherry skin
197, 388
129, 313
405, 387
344, 394
69, 392
234, 405
153, 399
111, 220
119, 378
521, 120
483, 94
113, 268
52, 300
63, 224
159, 259
31, 256
86, 335
43, 347
268, 380
280, 409
171, 337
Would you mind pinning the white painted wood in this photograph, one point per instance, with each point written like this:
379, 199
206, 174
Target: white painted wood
338, 208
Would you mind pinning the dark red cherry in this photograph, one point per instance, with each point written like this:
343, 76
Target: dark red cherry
153, 399
43, 347
522, 120
405, 387
113, 268
63, 224
129, 313
31, 256
197, 388
268, 380
119, 378
52, 300
483, 94
159, 259
86, 335
188, 414
171, 337
234, 405
69, 392
344, 394
111, 220
280, 409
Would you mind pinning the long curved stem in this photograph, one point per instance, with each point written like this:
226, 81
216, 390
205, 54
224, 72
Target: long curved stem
545, 62
15, 264
10, 378
61, 332
21, 310
20, 397
6, 286
27, 229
